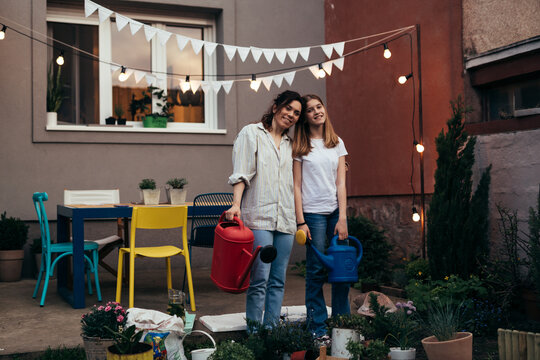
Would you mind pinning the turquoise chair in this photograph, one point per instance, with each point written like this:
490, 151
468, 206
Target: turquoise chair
61, 250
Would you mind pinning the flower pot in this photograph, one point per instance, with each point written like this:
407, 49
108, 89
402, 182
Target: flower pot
52, 119
459, 348
151, 197
201, 354
121, 121
151, 121
398, 354
11, 262
340, 337
110, 121
146, 352
176, 196
96, 348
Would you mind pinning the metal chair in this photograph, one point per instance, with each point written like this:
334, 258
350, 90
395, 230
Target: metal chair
61, 250
168, 217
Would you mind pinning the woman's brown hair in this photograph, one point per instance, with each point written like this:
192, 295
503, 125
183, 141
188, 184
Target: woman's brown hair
302, 143
282, 100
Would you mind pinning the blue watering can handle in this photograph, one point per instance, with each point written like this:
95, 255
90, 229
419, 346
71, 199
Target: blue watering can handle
333, 242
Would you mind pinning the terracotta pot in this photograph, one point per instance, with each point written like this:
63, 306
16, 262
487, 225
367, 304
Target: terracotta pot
11, 262
147, 353
96, 348
398, 354
459, 348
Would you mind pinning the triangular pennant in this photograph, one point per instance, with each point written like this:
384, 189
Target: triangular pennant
278, 79
227, 85
197, 45
289, 77
304, 53
129, 72
161, 83
114, 68
338, 48
268, 54
163, 36
149, 32
267, 81
327, 49
195, 85
121, 21
216, 86
243, 52
104, 13
256, 53
138, 75
339, 63
134, 26
314, 70
150, 79
182, 41
293, 54
209, 47
255, 84
230, 51
89, 7
327, 66
281, 54
206, 86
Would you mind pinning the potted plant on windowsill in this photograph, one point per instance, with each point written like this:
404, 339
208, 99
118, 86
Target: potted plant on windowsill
119, 112
13, 236
150, 194
160, 118
176, 194
55, 95
127, 345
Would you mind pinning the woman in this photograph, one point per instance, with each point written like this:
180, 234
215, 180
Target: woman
263, 198
321, 203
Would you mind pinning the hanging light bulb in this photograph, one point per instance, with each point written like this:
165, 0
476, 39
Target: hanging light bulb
321, 73
403, 78
419, 147
186, 85
3, 32
386, 52
254, 84
60, 58
415, 215
123, 76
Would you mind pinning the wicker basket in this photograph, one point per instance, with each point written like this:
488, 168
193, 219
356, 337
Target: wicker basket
96, 348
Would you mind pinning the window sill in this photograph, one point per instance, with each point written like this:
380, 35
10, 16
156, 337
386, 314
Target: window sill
136, 129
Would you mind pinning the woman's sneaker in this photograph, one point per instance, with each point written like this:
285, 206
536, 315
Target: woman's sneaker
324, 340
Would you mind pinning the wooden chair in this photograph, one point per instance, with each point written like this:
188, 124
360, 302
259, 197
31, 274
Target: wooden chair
99, 197
164, 217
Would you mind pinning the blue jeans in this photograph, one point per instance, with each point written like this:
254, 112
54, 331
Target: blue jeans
322, 227
267, 282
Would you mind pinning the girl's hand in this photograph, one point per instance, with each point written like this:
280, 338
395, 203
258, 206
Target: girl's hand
306, 230
341, 229
232, 212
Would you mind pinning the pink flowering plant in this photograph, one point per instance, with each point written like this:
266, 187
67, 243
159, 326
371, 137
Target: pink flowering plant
403, 326
111, 315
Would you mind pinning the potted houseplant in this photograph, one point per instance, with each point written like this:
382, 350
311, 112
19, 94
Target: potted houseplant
403, 332
373, 350
230, 350
127, 345
96, 337
160, 118
119, 112
13, 236
288, 337
345, 328
446, 343
55, 95
139, 107
110, 120
176, 194
149, 192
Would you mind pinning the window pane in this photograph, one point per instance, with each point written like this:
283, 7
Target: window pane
499, 104
135, 53
79, 72
189, 106
528, 95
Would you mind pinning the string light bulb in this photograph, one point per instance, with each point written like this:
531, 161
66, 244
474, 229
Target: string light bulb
186, 85
321, 73
60, 58
387, 53
403, 78
415, 215
3, 32
419, 147
254, 85
123, 76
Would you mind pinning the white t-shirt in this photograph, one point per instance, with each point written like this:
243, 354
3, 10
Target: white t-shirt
319, 175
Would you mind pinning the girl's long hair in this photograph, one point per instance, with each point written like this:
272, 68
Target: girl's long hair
282, 100
302, 143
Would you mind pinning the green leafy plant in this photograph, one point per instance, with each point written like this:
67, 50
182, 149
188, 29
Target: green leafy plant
64, 353
444, 318
13, 233
177, 183
348, 321
147, 184
457, 223
162, 102
118, 111
372, 350
404, 329
111, 315
55, 89
300, 268
417, 269
230, 350
127, 341
140, 105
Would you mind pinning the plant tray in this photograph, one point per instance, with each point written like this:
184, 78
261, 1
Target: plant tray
155, 122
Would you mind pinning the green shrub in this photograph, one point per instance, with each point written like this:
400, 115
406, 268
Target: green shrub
230, 350
375, 350
417, 269
63, 353
13, 233
149, 184
177, 183
348, 321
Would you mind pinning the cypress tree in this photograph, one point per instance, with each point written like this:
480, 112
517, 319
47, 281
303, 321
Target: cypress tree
457, 222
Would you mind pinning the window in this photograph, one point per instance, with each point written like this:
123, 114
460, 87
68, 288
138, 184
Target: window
512, 101
94, 92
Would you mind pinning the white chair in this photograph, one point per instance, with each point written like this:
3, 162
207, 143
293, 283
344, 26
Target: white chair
99, 197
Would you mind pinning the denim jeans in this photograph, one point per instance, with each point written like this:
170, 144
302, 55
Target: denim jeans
322, 227
267, 282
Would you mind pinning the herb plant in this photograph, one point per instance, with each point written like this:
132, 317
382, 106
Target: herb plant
177, 183
230, 350
149, 184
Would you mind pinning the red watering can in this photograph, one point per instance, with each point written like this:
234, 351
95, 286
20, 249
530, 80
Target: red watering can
232, 258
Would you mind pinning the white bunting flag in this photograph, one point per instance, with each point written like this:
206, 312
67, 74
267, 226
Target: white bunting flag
149, 32
327, 66
197, 45
339, 47
293, 54
114, 68
227, 85
182, 41
138, 75
161, 83
121, 21
243, 52
134, 26
314, 70
304, 53
89, 7
339, 63
163, 36
209, 47
104, 13
327, 49
267, 81
150, 79
256, 53
129, 72
278, 79
268, 54
206, 86
289, 77
216, 86
195, 85
281, 54
230, 51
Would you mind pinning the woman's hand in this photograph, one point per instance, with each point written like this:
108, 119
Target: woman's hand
232, 212
341, 229
305, 228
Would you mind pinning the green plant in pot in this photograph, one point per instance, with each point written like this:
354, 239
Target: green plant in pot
119, 112
345, 327
403, 331
139, 107
55, 94
150, 194
230, 350
176, 194
127, 344
164, 115
13, 236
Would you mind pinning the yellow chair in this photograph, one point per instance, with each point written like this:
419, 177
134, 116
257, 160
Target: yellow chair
166, 217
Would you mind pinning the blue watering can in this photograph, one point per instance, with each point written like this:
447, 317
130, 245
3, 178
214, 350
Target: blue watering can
341, 260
